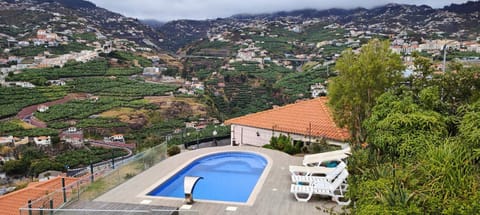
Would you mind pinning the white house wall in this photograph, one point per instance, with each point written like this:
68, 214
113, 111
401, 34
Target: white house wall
246, 135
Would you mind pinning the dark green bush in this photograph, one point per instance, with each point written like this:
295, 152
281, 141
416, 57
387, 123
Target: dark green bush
284, 143
290, 149
173, 150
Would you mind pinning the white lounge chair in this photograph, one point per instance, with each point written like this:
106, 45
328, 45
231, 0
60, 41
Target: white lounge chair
335, 189
318, 159
309, 170
346, 150
328, 176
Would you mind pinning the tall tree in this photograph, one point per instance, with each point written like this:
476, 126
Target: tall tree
362, 78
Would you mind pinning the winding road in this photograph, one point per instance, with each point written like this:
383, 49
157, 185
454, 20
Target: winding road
26, 114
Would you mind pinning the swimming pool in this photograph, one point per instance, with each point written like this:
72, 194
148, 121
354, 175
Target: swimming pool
227, 176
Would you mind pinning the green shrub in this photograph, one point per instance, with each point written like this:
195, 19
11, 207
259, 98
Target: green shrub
173, 150
321, 146
129, 176
284, 143
268, 146
290, 149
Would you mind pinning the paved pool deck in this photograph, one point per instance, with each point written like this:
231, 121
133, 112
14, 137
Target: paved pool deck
270, 196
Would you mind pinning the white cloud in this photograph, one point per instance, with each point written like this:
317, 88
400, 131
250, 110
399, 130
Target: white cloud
165, 10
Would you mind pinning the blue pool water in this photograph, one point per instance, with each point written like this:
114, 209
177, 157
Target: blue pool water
228, 176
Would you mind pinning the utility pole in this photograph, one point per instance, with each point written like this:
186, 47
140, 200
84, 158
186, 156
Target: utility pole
310, 133
113, 159
198, 144
444, 57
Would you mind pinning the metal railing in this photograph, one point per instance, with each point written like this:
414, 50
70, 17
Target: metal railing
108, 175
29, 211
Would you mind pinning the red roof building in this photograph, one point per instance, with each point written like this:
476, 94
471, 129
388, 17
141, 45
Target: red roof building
303, 121
11, 202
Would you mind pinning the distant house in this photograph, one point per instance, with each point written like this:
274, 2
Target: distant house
24, 43
117, 138
20, 141
42, 108
13, 140
41, 34
317, 90
38, 42
6, 140
151, 71
305, 121
24, 84
42, 140
72, 136
190, 124
57, 82
94, 98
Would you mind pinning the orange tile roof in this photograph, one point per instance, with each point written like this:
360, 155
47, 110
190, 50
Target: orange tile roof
311, 117
11, 202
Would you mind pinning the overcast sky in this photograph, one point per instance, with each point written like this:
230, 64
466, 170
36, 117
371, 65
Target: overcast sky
166, 10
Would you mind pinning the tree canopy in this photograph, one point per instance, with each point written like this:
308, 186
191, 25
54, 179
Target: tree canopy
362, 78
423, 151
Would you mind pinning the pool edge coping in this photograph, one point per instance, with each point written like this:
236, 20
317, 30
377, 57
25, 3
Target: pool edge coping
251, 199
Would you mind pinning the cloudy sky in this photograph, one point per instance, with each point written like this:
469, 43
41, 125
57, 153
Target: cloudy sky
166, 10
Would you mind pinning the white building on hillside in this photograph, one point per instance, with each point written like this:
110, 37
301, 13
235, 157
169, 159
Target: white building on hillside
42, 108
117, 138
42, 140
305, 121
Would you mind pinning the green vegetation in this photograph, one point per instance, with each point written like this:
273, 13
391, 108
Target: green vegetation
14, 128
186, 136
422, 142
296, 85
457, 54
15, 98
18, 17
31, 162
120, 86
56, 50
284, 143
362, 78
284, 40
288, 145
125, 57
330, 50
34, 132
87, 36
81, 109
34, 161
100, 122
318, 33
161, 128
173, 150
213, 45
83, 157
9, 126
73, 69
248, 89
276, 46
11, 30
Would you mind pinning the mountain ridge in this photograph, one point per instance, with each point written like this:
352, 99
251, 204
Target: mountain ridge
420, 18
173, 35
